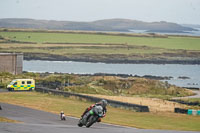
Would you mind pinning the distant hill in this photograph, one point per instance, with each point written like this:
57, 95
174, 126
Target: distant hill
100, 25
191, 25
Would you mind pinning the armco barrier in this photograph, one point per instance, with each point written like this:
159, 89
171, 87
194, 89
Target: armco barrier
187, 111
135, 107
198, 112
193, 112
179, 110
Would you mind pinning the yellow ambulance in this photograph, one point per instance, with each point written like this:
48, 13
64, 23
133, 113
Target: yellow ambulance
21, 85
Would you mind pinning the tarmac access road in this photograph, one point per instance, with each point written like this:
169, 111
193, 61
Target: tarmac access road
197, 95
3, 90
35, 121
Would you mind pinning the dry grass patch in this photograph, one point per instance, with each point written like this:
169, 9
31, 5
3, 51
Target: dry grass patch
155, 105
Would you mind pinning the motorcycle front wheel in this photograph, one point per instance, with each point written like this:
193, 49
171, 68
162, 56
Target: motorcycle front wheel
91, 121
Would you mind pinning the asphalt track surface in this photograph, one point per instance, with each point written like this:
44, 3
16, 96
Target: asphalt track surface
35, 121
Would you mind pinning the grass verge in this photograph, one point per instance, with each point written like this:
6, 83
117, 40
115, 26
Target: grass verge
192, 100
74, 107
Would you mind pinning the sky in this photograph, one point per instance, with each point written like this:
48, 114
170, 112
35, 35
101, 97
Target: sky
178, 11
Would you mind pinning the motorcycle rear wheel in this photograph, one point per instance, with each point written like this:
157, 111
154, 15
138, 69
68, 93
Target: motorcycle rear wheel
80, 124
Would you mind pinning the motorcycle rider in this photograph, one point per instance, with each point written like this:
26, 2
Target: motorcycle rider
102, 103
62, 115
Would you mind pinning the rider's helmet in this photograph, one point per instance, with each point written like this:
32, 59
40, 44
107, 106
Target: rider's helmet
103, 103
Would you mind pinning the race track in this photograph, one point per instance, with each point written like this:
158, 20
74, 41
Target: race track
35, 121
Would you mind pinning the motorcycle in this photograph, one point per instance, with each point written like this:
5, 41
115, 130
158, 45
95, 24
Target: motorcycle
62, 117
91, 117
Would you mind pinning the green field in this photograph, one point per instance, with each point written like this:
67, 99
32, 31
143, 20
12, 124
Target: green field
105, 47
186, 43
73, 107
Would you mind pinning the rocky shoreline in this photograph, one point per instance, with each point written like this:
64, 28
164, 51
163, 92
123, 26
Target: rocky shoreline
130, 75
122, 60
